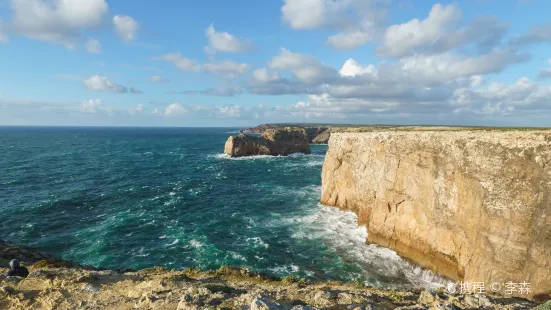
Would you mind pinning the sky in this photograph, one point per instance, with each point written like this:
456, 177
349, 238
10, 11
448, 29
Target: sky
241, 63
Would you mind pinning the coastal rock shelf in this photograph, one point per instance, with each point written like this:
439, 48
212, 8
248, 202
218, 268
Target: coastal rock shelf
471, 204
272, 142
57, 284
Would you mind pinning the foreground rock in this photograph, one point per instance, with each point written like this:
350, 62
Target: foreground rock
271, 142
59, 284
474, 205
226, 288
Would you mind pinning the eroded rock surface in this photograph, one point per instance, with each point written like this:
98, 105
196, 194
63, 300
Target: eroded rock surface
272, 142
473, 205
226, 288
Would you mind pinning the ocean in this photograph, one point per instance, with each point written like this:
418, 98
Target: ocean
141, 197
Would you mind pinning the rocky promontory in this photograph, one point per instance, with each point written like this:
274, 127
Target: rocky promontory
64, 285
317, 134
472, 204
274, 142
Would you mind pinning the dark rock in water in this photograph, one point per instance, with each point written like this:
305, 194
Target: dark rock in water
272, 142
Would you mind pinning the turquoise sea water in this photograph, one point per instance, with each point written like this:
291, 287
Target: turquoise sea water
141, 197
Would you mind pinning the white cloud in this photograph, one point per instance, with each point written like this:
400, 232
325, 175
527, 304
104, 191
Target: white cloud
57, 21
306, 68
232, 111
263, 75
352, 68
225, 42
158, 79
498, 99
102, 84
175, 109
349, 40
96, 106
306, 14
227, 68
181, 62
399, 40
93, 46
448, 67
136, 110
358, 21
126, 27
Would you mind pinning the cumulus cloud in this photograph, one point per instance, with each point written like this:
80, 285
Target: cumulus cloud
93, 46
351, 68
126, 27
307, 14
96, 106
103, 84
225, 42
158, 79
181, 62
227, 68
57, 21
357, 21
175, 109
306, 68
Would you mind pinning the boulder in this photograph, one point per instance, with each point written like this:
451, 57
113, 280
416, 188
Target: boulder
272, 142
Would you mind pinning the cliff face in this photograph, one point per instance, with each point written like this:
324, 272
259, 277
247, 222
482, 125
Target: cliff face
473, 205
271, 142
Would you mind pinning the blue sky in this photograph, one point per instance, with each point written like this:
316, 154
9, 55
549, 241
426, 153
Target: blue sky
245, 62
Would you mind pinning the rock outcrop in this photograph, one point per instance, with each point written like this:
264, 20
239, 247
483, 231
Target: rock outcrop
473, 205
322, 138
316, 134
272, 142
225, 288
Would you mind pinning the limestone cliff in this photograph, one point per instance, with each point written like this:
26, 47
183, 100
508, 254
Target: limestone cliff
272, 142
473, 205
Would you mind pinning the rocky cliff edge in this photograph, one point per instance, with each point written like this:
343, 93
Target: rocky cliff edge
471, 204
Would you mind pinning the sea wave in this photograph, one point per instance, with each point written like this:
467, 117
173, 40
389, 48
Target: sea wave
256, 157
339, 230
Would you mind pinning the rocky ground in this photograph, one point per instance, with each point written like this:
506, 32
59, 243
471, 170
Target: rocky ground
226, 288
57, 284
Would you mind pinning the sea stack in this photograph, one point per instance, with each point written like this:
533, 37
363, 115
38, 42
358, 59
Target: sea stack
471, 204
275, 142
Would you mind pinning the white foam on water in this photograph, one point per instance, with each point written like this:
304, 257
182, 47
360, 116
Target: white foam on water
258, 242
196, 244
173, 243
339, 230
238, 256
255, 157
285, 269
